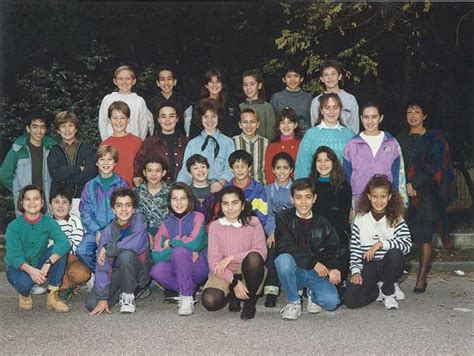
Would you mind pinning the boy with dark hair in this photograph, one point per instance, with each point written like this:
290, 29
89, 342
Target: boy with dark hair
293, 96
71, 163
166, 82
240, 163
26, 162
123, 261
306, 246
330, 75
249, 140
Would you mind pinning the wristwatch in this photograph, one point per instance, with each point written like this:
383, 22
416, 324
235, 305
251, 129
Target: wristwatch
49, 262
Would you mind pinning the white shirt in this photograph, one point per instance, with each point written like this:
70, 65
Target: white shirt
373, 141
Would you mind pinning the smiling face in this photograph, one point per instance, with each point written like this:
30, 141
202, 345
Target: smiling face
303, 201
199, 173
371, 120
241, 172
251, 87
106, 165
214, 86
32, 203
209, 122
379, 198
124, 81
179, 201
324, 165
154, 173
119, 122
330, 77
123, 209
287, 127
67, 131
37, 130
282, 171
166, 82
331, 110
231, 206
415, 117
61, 206
249, 124
167, 118
293, 81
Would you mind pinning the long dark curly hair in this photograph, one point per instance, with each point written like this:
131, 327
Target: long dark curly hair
395, 209
337, 177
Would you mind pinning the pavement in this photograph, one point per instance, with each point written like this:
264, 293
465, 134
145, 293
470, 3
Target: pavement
440, 321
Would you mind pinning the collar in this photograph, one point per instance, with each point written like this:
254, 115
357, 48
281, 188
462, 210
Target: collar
323, 125
248, 139
215, 135
224, 222
249, 182
286, 186
34, 221
75, 142
309, 217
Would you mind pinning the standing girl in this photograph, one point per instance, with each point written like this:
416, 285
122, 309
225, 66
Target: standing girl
329, 131
28, 258
252, 82
236, 255
373, 152
334, 200
380, 239
286, 138
180, 252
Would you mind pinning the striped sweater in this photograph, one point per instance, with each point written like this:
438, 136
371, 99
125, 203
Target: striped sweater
74, 231
257, 147
366, 231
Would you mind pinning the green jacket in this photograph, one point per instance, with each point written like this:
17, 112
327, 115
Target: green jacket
26, 242
16, 168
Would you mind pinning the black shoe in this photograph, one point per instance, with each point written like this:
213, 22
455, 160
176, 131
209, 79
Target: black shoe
142, 293
270, 300
234, 303
248, 311
420, 290
171, 296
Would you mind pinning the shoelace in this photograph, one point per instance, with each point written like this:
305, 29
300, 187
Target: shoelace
289, 306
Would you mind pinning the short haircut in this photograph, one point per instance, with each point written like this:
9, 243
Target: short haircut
167, 104
284, 156
292, 67
240, 155
196, 158
62, 192
206, 105
372, 104
163, 68
420, 103
123, 192
64, 117
36, 116
189, 193
104, 150
119, 106
330, 63
301, 184
156, 159
249, 110
125, 67
21, 196
286, 113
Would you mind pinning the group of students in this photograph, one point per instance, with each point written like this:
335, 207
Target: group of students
233, 201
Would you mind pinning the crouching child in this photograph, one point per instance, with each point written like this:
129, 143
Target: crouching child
123, 259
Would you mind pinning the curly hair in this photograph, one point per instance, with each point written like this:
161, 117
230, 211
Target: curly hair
394, 210
337, 177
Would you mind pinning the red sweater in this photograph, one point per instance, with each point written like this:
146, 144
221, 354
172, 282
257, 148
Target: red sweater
290, 147
127, 147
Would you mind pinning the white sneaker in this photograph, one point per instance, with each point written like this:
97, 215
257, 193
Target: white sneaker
37, 290
399, 295
186, 305
380, 297
127, 303
312, 308
90, 283
291, 311
390, 302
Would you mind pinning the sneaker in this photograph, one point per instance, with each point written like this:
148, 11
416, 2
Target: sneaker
390, 302
186, 305
171, 296
127, 303
90, 283
142, 293
399, 295
291, 311
312, 308
37, 290
25, 303
380, 297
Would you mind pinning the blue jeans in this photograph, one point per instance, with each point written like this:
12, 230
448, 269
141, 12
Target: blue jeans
22, 282
87, 251
293, 278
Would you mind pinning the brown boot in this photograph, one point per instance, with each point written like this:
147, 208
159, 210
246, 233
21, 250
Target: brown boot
54, 302
25, 303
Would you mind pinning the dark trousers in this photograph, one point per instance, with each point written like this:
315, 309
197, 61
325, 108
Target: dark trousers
387, 270
272, 276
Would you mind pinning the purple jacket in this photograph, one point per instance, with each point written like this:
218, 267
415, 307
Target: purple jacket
360, 165
115, 239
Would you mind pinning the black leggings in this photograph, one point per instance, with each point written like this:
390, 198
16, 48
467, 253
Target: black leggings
253, 272
388, 270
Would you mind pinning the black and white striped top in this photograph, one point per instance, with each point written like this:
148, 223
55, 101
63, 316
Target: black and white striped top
367, 231
73, 230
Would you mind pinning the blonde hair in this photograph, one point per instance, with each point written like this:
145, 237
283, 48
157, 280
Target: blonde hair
125, 67
104, 150
64, 117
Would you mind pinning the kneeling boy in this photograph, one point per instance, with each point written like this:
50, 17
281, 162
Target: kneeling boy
306, 245
123, 261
